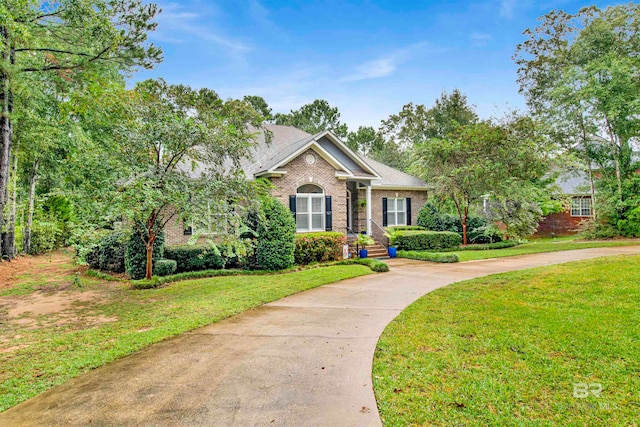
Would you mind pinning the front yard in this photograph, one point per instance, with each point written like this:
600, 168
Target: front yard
533, 247
547, 346
57, 322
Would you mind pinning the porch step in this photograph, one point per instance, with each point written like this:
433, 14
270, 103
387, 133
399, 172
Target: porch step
377, 251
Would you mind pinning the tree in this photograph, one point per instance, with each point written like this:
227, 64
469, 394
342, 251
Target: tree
313, 118
579, 73
63, 38
480, 160
365, 140
416, 124
183, 148
260, 105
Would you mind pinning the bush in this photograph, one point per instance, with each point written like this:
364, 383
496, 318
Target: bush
45, 236
407, 228
431, 218
152, 283
111, 250
319, 247
276, 237
427, 240
136, 252
164, 267
497, 245
374, 264
428, 256
630, 226
194, 257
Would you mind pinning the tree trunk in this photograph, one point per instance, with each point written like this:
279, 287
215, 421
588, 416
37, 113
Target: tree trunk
26, 245
151, 240
149, 270
10, 242
6, 131
464, 230
592, 188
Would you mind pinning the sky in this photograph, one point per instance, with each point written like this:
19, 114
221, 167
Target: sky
368, 58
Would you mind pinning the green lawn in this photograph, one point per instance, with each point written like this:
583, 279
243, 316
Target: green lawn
54, 348
510, 348
542, 245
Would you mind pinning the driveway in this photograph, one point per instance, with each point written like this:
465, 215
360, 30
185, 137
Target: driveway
304, 360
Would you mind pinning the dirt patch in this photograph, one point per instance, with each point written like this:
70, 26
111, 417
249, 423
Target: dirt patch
47, 268
40, 303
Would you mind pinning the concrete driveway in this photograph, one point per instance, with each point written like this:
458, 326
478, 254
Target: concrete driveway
304, 360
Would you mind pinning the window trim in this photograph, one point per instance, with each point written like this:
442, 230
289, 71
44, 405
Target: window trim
393, 201
580, 211
310, 213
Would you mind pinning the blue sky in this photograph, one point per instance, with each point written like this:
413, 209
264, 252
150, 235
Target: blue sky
368, 58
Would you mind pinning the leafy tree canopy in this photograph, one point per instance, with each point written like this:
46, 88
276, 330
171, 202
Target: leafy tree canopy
313, 118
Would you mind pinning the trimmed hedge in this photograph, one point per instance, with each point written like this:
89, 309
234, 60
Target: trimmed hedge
164, 267
276, 237
427, 240
429, 256
194, 257
497, 245
407, 227
319, 247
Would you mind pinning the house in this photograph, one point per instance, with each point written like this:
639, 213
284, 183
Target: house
328, 186
574, 184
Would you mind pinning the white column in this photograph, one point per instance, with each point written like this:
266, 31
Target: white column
369, 204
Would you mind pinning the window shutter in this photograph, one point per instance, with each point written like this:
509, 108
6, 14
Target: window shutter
408, 210
328, 226
292, 205
384, 212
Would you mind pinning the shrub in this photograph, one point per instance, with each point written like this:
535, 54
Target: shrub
429, 256
152, 283
407, 228
374, 264
630, 226
478, 231
136, 252
92, 257
111, 250
194, 257
319, 247
427, 240
164, 267
45, 236
276, 237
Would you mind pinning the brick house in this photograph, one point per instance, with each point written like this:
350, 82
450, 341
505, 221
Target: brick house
328, 186
575, 185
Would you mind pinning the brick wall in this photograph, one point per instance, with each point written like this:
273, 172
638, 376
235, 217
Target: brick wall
322, 174
559, 224
174, 232
418, 199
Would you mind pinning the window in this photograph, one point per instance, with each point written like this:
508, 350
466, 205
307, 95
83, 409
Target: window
310, 213
581, 206
396, 212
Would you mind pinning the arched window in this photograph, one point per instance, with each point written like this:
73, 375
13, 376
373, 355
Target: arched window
310, 208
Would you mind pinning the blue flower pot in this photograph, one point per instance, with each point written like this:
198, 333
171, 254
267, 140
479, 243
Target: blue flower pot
364, 253
392, 252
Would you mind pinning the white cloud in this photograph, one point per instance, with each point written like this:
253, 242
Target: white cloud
383, 66
176, 24
375, 69
507, 8
479, 39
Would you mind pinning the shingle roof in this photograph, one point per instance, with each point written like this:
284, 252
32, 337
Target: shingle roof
391, 177
573, 182
286, 140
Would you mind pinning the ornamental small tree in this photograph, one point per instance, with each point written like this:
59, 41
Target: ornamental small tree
276, 236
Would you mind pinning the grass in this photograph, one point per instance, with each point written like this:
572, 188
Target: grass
538, 246
508, 349
56, 350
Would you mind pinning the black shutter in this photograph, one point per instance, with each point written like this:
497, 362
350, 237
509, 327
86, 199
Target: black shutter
384, 212
328, 226
292, 205
408, 210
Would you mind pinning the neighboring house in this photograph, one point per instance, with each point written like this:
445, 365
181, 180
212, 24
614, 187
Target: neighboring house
574, 184
328, 186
